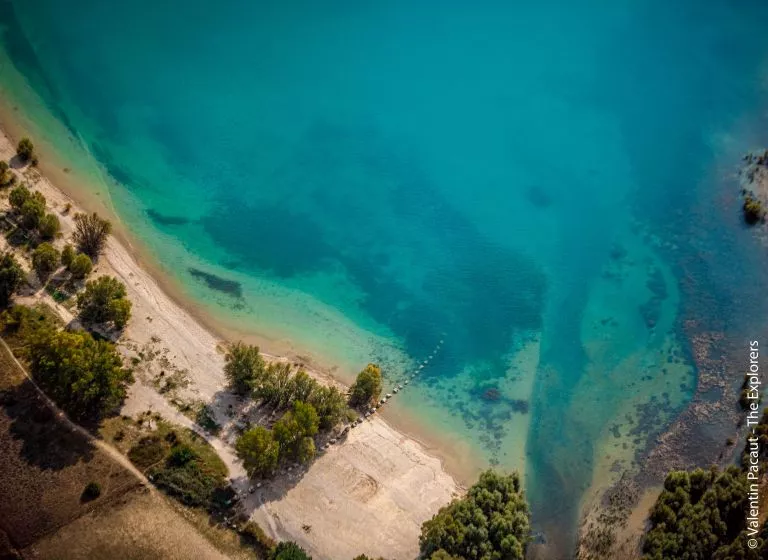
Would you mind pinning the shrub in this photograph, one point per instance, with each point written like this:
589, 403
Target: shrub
104, 301
244, 367
67, 254
289, 551
91, 492
80, 266
33, 210
259, 451
181, 454
490, 522
6, 175
25, 150
753, 209
11, 277
49, 226
45, 259
367, 386
91, 232
19, 195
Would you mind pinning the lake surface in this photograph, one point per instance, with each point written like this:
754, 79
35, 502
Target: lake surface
533, 184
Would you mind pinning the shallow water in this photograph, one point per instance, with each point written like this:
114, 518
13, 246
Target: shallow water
365, 180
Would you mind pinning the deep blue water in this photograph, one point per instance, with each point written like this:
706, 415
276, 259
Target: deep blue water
367, 179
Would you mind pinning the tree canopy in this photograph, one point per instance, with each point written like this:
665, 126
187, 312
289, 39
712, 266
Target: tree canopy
80, 266
104, 301
83, 375
25, 150
294, 432
288, 550
244, 366
11, 277
45, 260
490, 523
259, 451
91, 232
367, 386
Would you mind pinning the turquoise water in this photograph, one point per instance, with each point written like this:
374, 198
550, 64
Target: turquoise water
532, 183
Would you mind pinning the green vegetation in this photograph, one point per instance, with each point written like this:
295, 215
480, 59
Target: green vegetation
490, 523
6, 175
11, 277
289, 551
182, 464
84, 376
91, 492
295, 430
367, 386
701, 514
91, 232
26, 151
32, 211
67, 255
45, 260
259, 451
104, 301
255, 536
80, 266
753, 209
244, 366
49, 227
19, 195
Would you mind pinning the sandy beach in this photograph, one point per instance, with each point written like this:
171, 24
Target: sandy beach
369, 494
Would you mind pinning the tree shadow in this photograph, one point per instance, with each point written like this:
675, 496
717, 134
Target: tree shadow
46, 441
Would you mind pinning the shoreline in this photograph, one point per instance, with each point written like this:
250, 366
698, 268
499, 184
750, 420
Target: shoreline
451, 452
397, 491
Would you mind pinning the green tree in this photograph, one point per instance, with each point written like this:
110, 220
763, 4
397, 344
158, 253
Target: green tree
288, 550
305, 450
490, 523
11, 277
67, 254
91, 232
19, 195
244, 367
367, 386
298, 423
45, 260
80, 266
25, 150
33, 210
49, 226
83, 375
331, 405
259, 451
104, 301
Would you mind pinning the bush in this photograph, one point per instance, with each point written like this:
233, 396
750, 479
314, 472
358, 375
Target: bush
490, 522
181, 454
25, 150
91, 492
104, 301
254, 535
11, 277
289, 551
259, 451
80, 266
6, 175
367, 386
49, 227
83, 375
33, 210
67, 255
244, 367
45, 260
91, 232
19, 195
